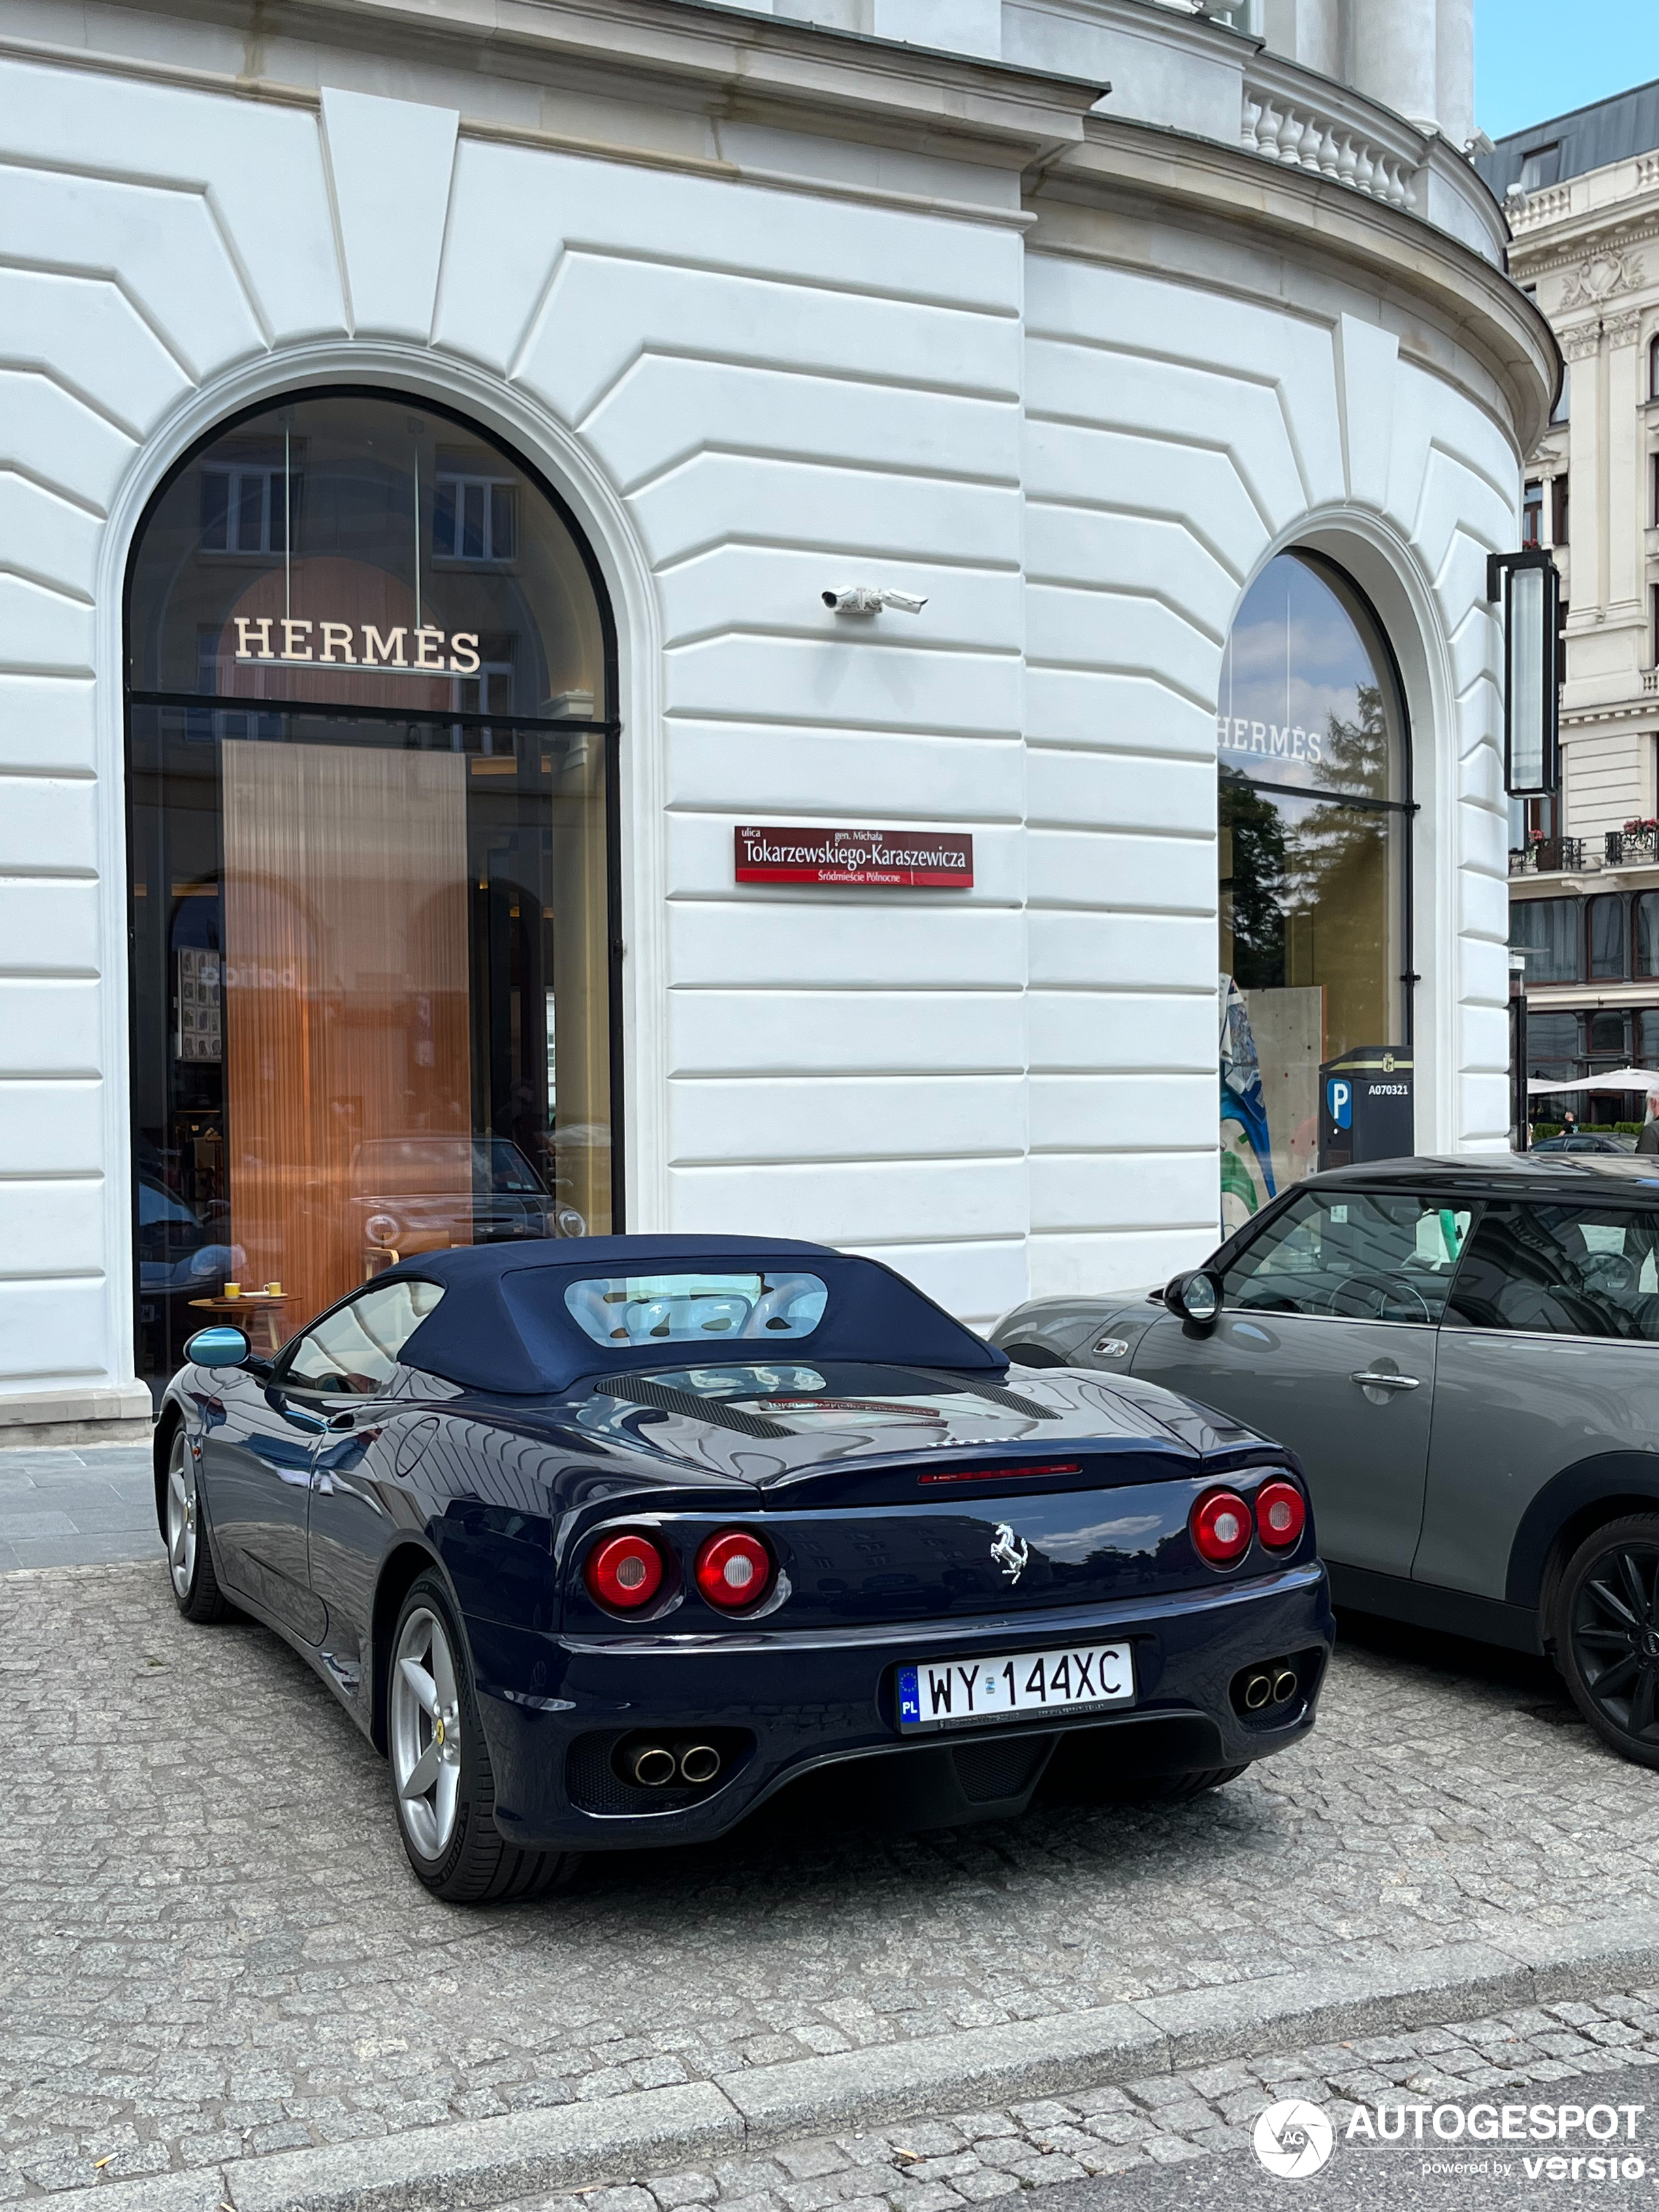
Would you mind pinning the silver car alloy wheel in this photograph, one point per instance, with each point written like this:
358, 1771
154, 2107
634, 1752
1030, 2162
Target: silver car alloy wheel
426, 1733
181, 1517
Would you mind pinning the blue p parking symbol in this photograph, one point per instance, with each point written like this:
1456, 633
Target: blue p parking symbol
1339, 1100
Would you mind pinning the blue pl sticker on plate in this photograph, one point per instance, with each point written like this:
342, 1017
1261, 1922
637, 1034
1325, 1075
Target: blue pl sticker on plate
909, 1695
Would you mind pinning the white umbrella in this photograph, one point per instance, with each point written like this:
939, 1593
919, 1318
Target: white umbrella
1621, 1079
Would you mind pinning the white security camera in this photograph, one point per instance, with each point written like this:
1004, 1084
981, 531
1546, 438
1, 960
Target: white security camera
869, 600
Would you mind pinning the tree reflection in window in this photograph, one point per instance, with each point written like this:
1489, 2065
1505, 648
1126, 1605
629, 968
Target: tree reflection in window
1313, 814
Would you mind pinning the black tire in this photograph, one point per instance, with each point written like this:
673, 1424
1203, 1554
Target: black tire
1607, 1634
191, 1574
465, 1859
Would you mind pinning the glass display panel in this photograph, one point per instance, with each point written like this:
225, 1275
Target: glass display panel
621, 1310
1314, 821
370, 897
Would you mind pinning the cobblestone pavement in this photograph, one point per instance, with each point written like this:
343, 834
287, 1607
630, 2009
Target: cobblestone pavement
211, 1946
69, 1506
968, 2158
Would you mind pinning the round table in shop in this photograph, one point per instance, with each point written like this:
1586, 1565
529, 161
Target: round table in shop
256, 1303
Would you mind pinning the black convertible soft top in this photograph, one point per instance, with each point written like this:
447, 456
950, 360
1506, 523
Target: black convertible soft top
504, 1324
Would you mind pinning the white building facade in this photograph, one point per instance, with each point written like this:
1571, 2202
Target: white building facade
558, 361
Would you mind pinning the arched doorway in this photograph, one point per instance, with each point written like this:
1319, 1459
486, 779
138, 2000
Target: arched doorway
1314, 858
372, 773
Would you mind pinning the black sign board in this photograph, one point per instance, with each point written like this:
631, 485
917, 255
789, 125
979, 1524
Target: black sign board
1365, 1107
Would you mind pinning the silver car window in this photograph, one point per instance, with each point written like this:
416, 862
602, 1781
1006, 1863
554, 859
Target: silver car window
1562, 1270
1359, 1256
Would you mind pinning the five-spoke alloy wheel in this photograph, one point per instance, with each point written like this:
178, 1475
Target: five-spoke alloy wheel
426, 1732
1607, 1634
442, 1784
190, 1556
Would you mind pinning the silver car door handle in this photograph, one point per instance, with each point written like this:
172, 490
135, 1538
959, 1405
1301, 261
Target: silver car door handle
1386, 1381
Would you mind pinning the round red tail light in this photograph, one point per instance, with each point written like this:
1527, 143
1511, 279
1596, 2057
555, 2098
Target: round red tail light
1221, 1526
734, 1570
1281, 1514
625, 1572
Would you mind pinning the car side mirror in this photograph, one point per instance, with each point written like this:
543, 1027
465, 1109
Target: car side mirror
1196, 1297
218, 1347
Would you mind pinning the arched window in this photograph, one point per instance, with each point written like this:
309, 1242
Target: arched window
1315, 816
371, 771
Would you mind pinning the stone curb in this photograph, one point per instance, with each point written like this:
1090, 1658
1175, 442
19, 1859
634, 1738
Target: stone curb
484, 2163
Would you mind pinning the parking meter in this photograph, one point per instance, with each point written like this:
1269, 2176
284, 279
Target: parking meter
1365, 1107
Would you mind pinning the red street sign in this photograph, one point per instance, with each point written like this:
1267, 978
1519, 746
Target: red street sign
919, 859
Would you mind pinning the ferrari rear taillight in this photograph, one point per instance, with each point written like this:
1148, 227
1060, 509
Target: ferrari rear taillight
625, 1572
1280, 1514
734, 1570
1221, 1526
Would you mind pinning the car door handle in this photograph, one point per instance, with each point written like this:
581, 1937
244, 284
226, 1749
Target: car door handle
1371, 1382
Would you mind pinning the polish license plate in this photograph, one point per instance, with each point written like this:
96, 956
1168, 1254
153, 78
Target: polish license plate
961, 1694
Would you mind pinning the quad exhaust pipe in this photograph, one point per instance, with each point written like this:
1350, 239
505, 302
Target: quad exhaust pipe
655, 1765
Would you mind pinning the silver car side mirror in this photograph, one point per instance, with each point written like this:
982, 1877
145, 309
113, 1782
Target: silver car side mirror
1195, 1298
217, 1348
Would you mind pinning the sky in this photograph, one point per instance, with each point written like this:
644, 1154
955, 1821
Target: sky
1535, 58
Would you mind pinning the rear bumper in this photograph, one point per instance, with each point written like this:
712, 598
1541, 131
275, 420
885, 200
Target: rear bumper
808, 1702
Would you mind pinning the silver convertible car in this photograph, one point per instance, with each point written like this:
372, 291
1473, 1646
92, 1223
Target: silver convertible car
1464, 1355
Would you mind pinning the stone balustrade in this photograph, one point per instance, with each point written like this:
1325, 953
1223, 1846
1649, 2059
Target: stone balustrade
1524, 209
1329, 138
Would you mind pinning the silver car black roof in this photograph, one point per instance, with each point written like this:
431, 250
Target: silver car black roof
1511, 1174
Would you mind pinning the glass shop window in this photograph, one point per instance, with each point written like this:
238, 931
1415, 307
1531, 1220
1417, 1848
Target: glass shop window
371, 892
1312, 762
1605, 1033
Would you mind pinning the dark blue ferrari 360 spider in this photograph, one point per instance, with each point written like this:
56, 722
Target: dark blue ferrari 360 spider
603, 1543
